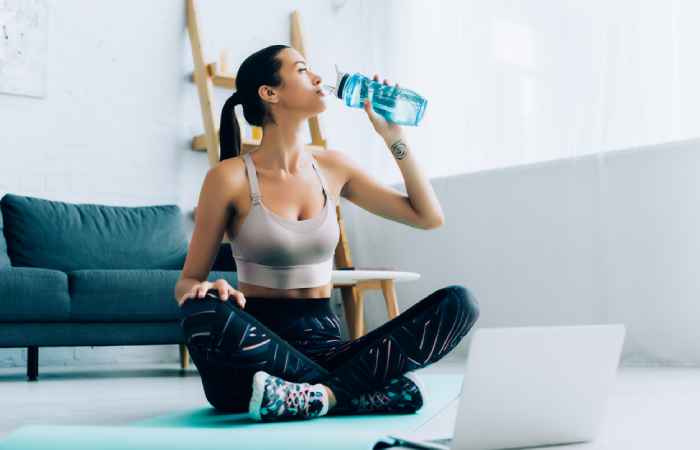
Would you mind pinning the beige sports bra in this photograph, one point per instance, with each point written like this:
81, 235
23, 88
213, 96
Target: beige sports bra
280, 253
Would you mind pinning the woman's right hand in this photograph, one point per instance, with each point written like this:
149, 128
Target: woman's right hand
224, 289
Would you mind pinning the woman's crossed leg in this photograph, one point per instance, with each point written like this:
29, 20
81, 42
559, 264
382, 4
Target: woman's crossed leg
229, 346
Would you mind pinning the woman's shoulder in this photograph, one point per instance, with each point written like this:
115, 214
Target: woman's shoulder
230, 169
336, 162
331, 160
229, 175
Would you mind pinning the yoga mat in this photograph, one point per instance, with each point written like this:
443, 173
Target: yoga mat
205, 428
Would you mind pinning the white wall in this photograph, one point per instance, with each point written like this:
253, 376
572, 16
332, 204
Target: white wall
508, 83
609, 238
116, 124
515, 82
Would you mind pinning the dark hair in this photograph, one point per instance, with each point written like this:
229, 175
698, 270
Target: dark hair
262, 67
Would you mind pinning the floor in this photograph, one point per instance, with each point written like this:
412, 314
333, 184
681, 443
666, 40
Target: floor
650, 407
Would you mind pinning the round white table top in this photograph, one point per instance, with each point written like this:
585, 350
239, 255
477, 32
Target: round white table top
355, 275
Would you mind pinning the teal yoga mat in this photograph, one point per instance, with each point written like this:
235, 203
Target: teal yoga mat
205, 428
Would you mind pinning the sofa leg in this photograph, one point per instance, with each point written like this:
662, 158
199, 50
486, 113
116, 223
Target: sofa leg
32, 363
184, 357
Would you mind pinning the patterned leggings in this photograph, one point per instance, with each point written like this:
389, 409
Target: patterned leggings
299, 341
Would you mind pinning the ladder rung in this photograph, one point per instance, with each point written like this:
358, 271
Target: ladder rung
224, 81
221, 79
199, 144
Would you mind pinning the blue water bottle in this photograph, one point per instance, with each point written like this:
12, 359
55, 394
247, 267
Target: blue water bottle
397, 105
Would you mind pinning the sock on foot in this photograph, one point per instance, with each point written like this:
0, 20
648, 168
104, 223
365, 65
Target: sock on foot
274, 399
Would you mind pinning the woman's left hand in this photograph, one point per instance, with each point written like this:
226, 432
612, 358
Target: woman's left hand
387, 130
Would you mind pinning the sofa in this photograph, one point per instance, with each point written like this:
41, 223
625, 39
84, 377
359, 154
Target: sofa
92, 275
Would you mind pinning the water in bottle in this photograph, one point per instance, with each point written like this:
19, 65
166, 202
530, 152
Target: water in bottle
397, 105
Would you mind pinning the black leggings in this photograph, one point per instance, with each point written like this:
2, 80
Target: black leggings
299, 340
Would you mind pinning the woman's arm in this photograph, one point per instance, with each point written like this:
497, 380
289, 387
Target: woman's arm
214, 209
421, 208
420, 191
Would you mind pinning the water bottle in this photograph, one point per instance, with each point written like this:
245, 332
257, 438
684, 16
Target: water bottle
397, 105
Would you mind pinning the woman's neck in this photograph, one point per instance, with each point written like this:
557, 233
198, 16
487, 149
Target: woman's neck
282, 150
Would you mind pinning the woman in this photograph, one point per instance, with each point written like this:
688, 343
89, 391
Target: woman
275, 350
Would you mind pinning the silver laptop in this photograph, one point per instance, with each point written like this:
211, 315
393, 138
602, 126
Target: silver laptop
526, 386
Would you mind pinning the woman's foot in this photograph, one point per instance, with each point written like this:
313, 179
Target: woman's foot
405, 394
277, 399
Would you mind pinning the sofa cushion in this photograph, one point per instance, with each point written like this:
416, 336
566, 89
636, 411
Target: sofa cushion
68, 334
29, 294
4, 259
67, 236
128, 295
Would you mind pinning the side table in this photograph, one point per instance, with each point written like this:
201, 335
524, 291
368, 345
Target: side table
361, 280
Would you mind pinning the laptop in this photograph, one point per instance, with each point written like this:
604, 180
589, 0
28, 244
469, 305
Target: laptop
526, 386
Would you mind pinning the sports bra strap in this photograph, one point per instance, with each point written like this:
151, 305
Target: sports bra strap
320, 175
252, 178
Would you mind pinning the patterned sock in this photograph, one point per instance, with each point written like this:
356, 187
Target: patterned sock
277, 399
405, 394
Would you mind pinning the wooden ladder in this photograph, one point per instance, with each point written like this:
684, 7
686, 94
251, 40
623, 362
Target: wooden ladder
205, 77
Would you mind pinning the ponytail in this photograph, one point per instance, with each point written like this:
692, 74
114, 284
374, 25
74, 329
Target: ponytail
229, 130
260, 68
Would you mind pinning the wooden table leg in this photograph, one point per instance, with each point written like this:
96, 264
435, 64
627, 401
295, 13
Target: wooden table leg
389, 290
359, 325
354, 310
184, 357
348, 295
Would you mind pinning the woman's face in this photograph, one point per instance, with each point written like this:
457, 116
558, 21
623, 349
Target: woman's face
299, 93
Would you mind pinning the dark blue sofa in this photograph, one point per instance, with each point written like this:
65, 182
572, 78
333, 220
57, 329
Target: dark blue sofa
89, 274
